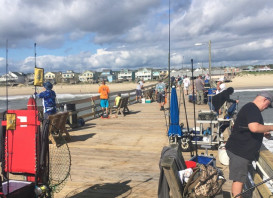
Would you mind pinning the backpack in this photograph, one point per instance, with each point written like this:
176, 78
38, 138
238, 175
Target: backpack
203, 183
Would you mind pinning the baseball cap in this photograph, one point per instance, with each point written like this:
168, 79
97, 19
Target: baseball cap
268, 96
48, 85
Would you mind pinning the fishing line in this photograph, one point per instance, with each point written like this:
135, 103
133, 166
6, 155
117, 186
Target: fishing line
194, 98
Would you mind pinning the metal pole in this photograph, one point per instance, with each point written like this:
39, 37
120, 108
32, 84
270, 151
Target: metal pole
182, 62
194, 100
210, 62
7, 51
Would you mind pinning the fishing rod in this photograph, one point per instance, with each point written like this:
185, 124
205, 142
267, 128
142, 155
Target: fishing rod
7, 105
194, 98
169, 61
166, 121
185, 109
179, 104
36, 128
237, 104
255, 186
187, 122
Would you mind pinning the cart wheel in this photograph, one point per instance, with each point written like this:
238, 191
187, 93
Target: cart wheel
186, 145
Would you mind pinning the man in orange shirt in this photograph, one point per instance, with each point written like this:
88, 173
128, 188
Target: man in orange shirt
104, 91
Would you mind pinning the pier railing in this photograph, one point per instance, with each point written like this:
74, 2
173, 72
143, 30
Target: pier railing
89, 108
262, 171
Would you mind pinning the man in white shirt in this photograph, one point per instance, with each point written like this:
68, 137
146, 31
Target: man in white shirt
186, 82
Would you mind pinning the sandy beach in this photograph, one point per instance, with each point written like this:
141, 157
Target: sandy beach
239, 82
251, 81
70, 89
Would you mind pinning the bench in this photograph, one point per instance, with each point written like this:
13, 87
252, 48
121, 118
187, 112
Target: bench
170, 169
122, 107
171, 172
57, 125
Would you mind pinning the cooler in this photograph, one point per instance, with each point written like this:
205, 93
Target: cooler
206, 160
20, 148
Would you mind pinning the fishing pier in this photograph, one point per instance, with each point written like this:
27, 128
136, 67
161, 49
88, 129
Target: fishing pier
119, 156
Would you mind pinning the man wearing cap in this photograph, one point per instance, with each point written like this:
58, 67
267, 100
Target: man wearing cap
200, 88
220, 85
246, 139
48, 97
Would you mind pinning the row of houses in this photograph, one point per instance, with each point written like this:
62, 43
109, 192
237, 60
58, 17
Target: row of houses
87, 76
123, 75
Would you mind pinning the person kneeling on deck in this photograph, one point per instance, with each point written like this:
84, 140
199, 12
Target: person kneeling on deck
160, 90
219, 99
104, 103
246, 139
48, 96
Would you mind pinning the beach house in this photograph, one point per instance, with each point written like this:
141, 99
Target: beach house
144, 74
126, 74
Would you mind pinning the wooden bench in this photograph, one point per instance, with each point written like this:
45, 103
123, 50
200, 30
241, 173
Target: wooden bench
122, 107
171, 173
57, 126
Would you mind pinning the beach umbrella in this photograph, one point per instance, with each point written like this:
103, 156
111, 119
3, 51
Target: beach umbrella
174, 128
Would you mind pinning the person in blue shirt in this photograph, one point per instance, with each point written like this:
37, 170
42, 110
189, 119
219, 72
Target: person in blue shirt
48, 97
160, 91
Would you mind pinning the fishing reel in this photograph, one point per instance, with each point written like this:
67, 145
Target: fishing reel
42, 191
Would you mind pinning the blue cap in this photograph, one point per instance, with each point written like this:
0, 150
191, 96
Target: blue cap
48, 85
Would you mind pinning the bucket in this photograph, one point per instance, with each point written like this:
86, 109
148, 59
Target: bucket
143, 100
222, 153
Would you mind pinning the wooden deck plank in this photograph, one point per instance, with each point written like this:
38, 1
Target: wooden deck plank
120, 156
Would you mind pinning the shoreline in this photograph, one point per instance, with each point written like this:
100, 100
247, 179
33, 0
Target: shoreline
263, 81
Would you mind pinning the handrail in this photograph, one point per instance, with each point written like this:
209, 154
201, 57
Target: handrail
89, 108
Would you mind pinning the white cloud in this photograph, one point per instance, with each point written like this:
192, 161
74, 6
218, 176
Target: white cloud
240, 31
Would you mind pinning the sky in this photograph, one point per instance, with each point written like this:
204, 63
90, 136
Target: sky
82, 35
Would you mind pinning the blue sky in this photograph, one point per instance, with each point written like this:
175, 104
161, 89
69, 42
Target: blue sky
93, 35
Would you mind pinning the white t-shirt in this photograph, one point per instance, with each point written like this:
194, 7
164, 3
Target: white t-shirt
222, 88
138, 87
186, 82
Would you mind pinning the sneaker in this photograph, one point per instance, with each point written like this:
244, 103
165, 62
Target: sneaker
162, 108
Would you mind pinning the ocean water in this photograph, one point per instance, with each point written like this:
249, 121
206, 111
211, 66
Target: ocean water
20, 101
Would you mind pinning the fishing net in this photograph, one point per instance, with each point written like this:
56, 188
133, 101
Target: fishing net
59, 164
55, 158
